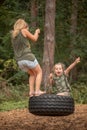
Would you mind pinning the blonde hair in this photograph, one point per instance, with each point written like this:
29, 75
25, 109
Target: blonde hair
19, 24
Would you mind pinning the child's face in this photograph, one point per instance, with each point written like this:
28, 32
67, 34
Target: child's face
58, 70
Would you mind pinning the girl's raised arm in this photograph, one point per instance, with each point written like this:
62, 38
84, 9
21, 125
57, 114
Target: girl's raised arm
31, 36
72, 66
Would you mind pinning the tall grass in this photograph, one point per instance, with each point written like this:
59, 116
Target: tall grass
16, 97
10, 105
79, 92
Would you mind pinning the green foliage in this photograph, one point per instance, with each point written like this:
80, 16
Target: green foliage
10, 92
18, 78
1, 64
9, 68
12, 97
79, 92
10, 105
11, 73
11, 10
11, 63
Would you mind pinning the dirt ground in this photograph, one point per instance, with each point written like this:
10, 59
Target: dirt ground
23, 120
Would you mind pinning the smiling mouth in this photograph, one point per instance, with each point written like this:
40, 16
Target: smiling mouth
58, 73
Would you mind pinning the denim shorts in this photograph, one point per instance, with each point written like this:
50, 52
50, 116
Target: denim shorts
25, 65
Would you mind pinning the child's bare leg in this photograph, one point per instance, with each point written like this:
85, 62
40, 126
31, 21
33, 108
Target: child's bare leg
38, 71
38, 79
63, 94
31, 82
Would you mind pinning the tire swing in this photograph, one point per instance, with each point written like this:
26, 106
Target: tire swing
51, 105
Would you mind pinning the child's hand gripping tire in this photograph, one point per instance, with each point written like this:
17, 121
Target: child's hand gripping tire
51, 105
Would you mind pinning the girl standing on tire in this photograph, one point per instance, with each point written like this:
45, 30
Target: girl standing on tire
25, 58
59, 77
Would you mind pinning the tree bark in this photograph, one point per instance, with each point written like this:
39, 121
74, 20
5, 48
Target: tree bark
49, 40
34, 11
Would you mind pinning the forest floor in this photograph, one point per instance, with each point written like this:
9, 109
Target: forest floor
21, 119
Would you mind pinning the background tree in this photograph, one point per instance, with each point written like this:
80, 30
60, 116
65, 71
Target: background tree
49, 39
34, 12
59, 44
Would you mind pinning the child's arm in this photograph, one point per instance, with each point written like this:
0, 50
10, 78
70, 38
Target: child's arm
50, 83
31, 36
51, 79
72, 66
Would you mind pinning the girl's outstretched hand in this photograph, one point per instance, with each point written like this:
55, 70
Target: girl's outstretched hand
38, 30
77, 60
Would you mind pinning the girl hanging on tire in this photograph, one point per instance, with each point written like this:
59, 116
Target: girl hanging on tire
58, 78
25, 58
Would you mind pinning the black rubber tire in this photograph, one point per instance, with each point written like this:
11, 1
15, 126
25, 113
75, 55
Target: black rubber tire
51, 105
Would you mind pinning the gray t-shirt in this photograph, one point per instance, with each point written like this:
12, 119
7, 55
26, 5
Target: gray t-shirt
21, 48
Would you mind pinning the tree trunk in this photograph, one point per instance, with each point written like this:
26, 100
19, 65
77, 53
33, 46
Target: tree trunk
34, 11
49, 40
73, 32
